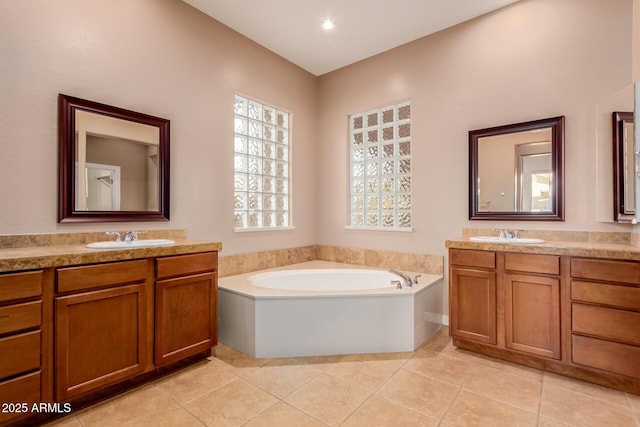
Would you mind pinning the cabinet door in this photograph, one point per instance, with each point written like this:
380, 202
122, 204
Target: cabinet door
532, 314
472, 301
100, 338
185, 316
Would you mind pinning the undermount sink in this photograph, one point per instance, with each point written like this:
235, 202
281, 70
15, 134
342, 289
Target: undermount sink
143, 243
513, 240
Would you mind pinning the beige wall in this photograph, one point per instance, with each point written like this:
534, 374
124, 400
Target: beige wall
531, 60
160, 57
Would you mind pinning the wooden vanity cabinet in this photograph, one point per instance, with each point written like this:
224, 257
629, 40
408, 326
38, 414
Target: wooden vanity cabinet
472, 295
186, 306
532, 304
605, 315
24, 372
102, 325
506, 300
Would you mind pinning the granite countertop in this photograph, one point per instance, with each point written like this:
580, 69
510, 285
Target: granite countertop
30, 257
624, 251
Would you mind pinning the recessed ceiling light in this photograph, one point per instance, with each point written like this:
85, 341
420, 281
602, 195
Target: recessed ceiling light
328, 24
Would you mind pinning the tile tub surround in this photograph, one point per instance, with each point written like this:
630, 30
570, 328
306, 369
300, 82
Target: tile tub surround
232, 265
434, 385
29, 252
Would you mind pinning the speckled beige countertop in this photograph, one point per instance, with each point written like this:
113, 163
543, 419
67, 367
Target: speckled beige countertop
27, 252
584, 244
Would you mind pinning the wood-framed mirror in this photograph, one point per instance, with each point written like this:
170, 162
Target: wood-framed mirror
113, 163
516, 171
624, 191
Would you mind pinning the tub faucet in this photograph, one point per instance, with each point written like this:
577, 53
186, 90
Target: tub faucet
397, 284
407, 280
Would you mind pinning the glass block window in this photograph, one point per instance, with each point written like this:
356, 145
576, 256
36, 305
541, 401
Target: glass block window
380, 165
261, 165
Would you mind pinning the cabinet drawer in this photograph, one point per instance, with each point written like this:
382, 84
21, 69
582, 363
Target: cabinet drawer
471, 258
186, 264
602, 293
606, 355
618, 325
20, 285
24, 389
19, 353
610, 271
20, 316
546, 264
101, 275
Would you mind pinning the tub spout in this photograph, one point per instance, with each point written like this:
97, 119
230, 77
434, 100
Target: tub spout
407, 280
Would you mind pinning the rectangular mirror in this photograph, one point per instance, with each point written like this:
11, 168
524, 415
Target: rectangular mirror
515, 171
114, 163
624, 193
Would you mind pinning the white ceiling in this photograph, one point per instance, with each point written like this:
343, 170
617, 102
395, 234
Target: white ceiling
363, 28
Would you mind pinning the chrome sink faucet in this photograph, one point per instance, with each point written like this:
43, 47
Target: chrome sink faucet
509, 234
114, 233
130, 236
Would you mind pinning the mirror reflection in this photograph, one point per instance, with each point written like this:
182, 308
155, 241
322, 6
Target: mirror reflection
624, 193
515, 171
114, 163
119, 167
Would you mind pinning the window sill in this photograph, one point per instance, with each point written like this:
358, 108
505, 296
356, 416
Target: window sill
260, 229
402, 230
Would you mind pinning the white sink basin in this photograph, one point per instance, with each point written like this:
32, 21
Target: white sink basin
494, 239
148, 243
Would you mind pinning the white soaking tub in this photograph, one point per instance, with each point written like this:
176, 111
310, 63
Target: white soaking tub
323, 308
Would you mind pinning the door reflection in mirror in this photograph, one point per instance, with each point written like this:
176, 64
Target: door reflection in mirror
130, 147
514, 172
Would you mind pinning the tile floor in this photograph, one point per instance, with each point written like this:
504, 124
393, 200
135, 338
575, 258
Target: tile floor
437, 385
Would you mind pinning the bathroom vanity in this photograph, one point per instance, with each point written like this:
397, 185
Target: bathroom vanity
567, 307
77, 324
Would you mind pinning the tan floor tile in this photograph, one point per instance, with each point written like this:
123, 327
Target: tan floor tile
230, 405
282, 376
512, 368
380, 412
471, 409
583, 387
68, 421
442, 344
441, 367
283, 415
171, 417
426, 395
236, 361
550, 422
137, 404
581, 410
518, 391
634, 402
328, 399
365, 370
195, 381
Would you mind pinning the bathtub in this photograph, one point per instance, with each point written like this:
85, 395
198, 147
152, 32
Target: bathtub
322, 308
